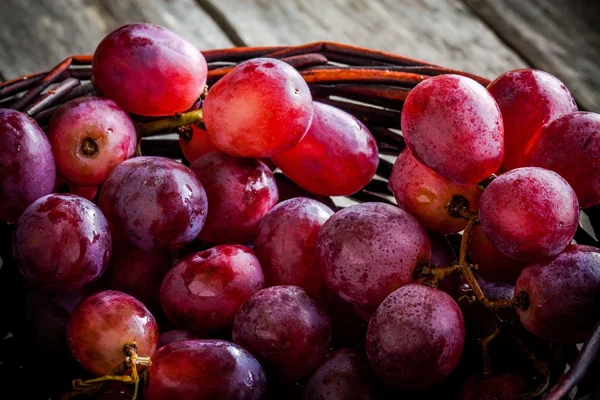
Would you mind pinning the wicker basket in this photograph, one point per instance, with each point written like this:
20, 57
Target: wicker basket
369, 84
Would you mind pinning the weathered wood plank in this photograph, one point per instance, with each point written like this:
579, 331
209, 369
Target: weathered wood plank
440, 31
37, 34
558, 36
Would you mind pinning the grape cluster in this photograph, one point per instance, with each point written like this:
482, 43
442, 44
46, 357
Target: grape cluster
238, 278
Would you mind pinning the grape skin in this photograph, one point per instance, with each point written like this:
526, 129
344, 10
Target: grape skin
149, 70
415, 338
337, 157
453, 125
564, 304
260, 108
27, 166
368, 250
62, 243
529, 213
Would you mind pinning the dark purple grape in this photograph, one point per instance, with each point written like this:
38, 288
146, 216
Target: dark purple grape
205, 369
285, 329
415, 338
27, 168
502, 386
62, 243
176, 335
443, 255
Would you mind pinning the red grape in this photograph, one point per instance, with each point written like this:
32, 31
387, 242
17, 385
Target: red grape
344, 375
569, 145
205, 369
529, 213
502, 386
102, 324
528, 99
285, 329
415, 338
27, 169
368, 250
426, 194
260, 108
443, 255
204, 291
89, 137
62, 243
240, 192
492, 264
87, 192
157, 203
288, 190
454, 126
564, 301
197, 145
149, 70
176, 335
285, 244
337, 157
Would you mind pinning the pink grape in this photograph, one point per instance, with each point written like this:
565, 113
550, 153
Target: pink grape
368, 250
102, 324
89, 137
176, 335
285, 244
197, 145
426, 195
569, 145
527, 98
240, 192
529, 213
156, 203
415, 338
27, 168
285, 329
205, 290
149, 70
503, 386
62, 243
337, 157
454, 126
260, 108
205, 369
563, 296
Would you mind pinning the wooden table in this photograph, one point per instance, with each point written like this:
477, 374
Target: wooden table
485, 37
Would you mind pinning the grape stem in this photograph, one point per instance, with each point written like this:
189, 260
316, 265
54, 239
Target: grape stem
484, 343
169, 124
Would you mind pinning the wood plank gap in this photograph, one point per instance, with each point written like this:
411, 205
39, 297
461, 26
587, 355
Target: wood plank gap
223, 22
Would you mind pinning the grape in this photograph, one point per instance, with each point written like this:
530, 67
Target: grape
149, 70
569, 145
491, 263
62, 243
345, 374
337, 157
454, 126
285, 329
527, 99
87, 192
415, 338
260, 108
204, 291
103, 323
89, 137
138, 273
205, 369
529, 213
240, 192
443, 255
27, 169
368, 250
564, 301
197, 145
176, 335
503, 386
426, 194
288, 190
113, 390
157, 203
285, 244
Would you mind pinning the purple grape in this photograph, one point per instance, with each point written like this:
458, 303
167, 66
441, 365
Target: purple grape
503, 386
443, 255
62, 243
285, 329
27, 168
176, 335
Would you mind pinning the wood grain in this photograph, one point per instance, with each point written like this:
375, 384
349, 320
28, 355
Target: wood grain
440, 31
558, 36
35, 35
